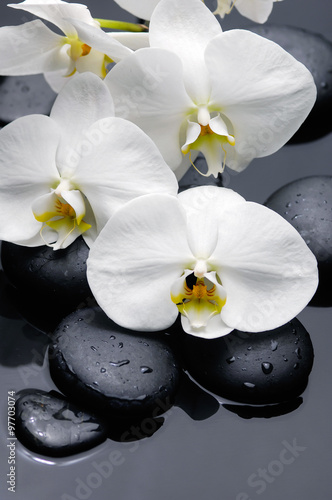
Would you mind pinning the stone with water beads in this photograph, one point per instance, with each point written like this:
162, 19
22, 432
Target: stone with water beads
114, 371
254, 368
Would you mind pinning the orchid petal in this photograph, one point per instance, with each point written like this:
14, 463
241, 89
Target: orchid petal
133, 41
21, 52
255, 10
101, 41
43, 208
57, 12
126, 164
75, 199
246, 88
93, 62
139, 254
56, 79
142, 9
65, 232
83, 101
27, 170
187, 34
215, 328
147, 88
267, 270
192, 133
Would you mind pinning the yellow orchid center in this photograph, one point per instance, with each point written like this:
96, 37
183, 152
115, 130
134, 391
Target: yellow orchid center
199, 303
78, 48
65, 209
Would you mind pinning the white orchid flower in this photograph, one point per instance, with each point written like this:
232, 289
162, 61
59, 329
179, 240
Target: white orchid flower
234, 96
224, 263
65, 175
255, 10
33, 48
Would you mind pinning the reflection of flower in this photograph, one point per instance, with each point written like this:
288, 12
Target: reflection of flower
256, 10
33, 48
224, 263
74, 168
234, 96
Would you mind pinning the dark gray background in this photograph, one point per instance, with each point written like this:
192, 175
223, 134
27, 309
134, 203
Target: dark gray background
191, 457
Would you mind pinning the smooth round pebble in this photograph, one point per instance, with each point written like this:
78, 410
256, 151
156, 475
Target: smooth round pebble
48, 424
59, 277
315, 52
307, 204
24, 95
113, 370
253, 368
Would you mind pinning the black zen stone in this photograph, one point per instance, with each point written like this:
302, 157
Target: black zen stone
24, 95
307, 205
48, 424
112, 370
253, 368
315, 52
58, 277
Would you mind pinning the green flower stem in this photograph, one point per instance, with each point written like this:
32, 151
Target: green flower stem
120, 25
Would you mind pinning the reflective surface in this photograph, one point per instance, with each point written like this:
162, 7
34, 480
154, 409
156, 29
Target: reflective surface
203, 448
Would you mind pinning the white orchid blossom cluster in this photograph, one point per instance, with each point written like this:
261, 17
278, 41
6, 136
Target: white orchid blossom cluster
104, 165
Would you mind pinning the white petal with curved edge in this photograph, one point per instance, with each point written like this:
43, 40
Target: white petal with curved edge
93, 62
142, 8
205, 206
58, 79
263, 113
31, 48
133, 41
57, 12
185, 27
147, 88
43, 207
265, 266
27, 170
84, 100
192, 133
101, 41
75, 199
255, 10
64, 233
126, 164
135, 260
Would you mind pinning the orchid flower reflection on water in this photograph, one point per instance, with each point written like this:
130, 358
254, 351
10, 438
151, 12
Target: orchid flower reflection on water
233, 95
224, 263
33, 48
63, 176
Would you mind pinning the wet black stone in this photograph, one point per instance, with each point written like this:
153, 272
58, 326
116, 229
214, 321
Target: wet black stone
307, 204
232, 366
113, 370
46, 423
315, 52
24, 95
57, 278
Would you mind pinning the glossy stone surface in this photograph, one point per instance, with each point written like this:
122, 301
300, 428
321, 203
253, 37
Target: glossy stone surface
113, 370
315, 52
307, 204
48, 424
42, 273
24, 95
253, 368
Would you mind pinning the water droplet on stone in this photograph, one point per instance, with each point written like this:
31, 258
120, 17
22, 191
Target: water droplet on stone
267, 368
288, 205
120, 345
296, 366
274, 345
117, 364
230, 360
102, 370
249, 385
112, 337
298, 352
323, 85
93, 348
146, 369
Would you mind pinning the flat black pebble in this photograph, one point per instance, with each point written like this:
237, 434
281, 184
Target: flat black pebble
24, 95
307, 204
48, 424
253, 368
113, 370
315, 52
58, 277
